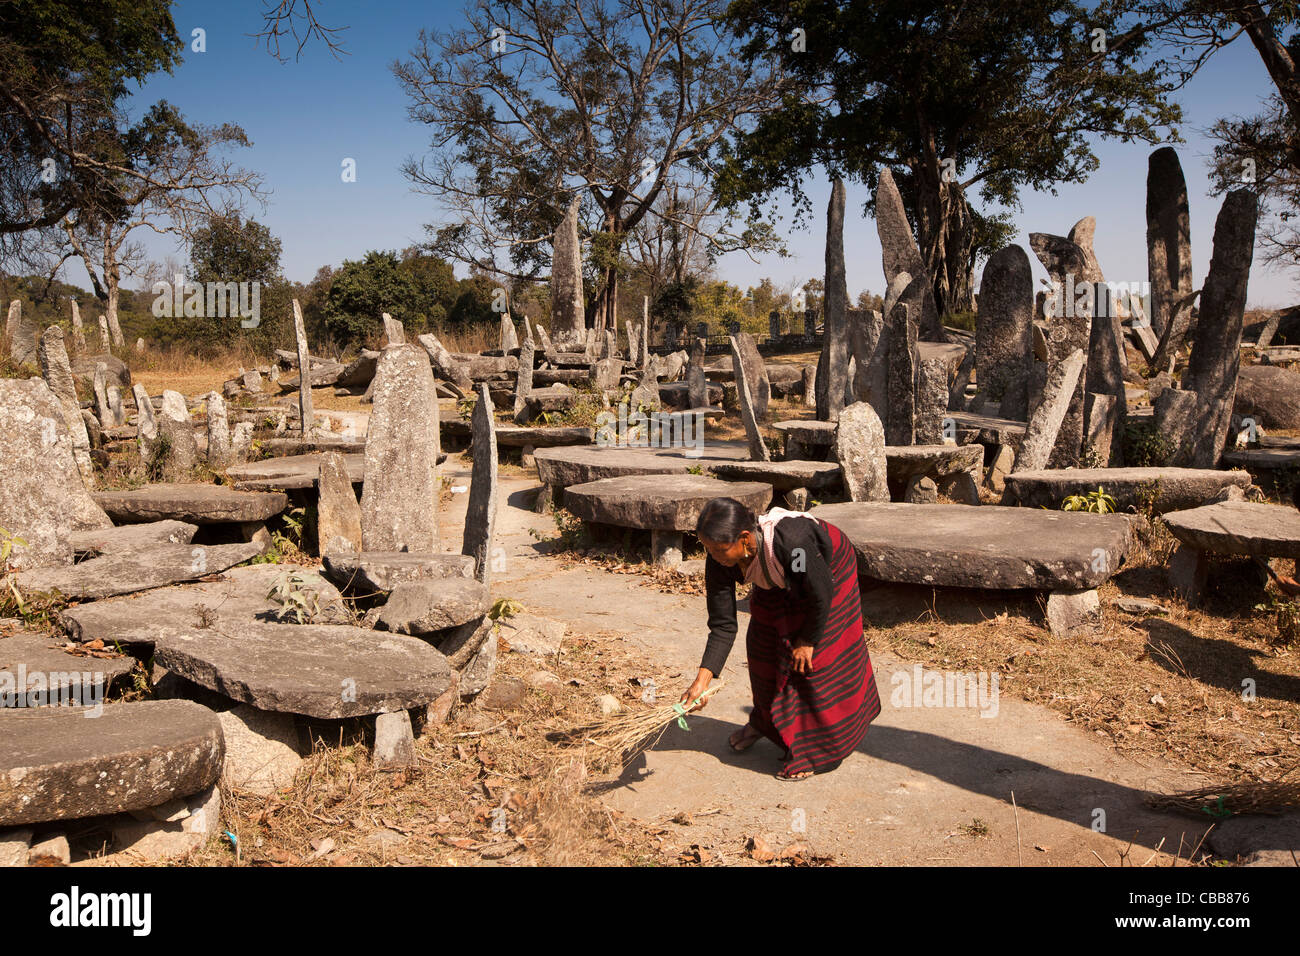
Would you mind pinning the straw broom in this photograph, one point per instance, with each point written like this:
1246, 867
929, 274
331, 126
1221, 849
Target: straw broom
620, 737
1251, 796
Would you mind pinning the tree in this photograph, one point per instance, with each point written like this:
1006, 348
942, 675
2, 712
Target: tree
361, 291
532, 102
998, 94
229, 249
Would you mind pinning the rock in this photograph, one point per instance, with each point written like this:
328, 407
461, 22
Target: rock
430, 606
1074, 613
261, 749
931, 401
399, 502
995, 548
33, 673
1169, 248
53, 850
1175, 418
662, 502
444, 365
568, 314
478, 672
115, 370
296, 472
1257, 841
836, 345
503, 695
127, 572
192, 503
749, 414
921, 490
56, 371
306, 414
1041, 436
361, 370
1239, 527
218, 432
394, 331
900, 420
561, 467
901, 254
782, 475
394, 741
338, 515
14, 846
42, 496
1140, 606
481, 511
1270, 395
526, 633
608, 704
1160, 490
21, 334
696, 384
372, 571
328, 671
860, 450
54, 766
437, 713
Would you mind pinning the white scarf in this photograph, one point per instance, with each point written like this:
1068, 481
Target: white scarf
765, 571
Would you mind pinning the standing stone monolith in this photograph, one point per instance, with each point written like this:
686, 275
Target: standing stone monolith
509, 338
931, 400
307, 416
835, 339
338, 515
174, 426
645, 331
57, 372
100, 381
860, 450
481, 513
116, 410
633, 345
1003, 346
523, 379
1216, 356
146, 424
696, 385
399, 500
1045, 422
808, 374
1169, 242
760, 386
900, 420
901, 254
568, 313
78, 331
444, 365
544, 338
1175, 422
241, 442
23, 334
1069, 327
139, 346
758, 450
105, 343
394, 331
218, 432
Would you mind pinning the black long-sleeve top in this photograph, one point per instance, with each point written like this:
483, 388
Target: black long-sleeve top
811, 584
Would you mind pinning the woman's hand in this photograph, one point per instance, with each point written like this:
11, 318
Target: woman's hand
802, 655
698, 687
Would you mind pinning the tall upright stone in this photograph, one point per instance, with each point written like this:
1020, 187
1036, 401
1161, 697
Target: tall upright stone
760, 386
399, 500
835, 338
523, 379
218, 432
338, 515
1169, 240
78, 331
116, 410
146, 423
696, 384
568, 313
481, 514
1003, 343
22, 334
860, 450
57, 372
901, 254
758, 450
1045, 422
394, 331
931, 400
904, 358
105, 342
633, 342
808, 375
645, 331
509, 338
174, 426
1069, 327
307, 415
100, 383
1216, 356
444, 365
543, 338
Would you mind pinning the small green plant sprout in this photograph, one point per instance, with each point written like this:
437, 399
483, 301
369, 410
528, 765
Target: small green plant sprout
503, 608
8, 542
294, 598
695, 470
1094, 502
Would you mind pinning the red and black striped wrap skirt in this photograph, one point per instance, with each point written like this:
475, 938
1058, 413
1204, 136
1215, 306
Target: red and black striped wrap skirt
817, 718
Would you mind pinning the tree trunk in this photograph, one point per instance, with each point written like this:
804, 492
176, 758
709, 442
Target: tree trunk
946, 237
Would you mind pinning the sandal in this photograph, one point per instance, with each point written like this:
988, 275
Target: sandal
785, 777
752, 738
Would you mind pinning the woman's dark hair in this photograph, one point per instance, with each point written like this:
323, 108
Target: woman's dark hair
725, 519
1295, 495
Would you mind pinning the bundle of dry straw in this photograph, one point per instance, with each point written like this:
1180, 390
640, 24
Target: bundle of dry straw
616, 739
1250, 796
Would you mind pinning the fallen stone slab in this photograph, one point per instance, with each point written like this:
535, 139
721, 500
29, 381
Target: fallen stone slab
987, 429
578, 464
241, 594
327, 671
59, 764
782, 475
124, 573
319, 376
561, 376
932, 461
127, 538
197, 504
384, 570
1239, 527
36, 671
1256, 460
996, 548
806, 440
659, 502
291, 472
524, 436
1159, 489
430, 606
316, 443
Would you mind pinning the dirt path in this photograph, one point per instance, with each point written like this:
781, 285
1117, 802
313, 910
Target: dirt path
929, 784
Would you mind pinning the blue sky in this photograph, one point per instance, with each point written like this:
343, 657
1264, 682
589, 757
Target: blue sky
305, 117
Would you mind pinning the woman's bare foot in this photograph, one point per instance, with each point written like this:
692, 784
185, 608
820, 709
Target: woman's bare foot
785, 775
744, 738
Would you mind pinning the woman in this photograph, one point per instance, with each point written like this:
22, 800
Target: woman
814, 692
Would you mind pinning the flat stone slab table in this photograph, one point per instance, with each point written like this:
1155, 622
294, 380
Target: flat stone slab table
124, 573
1255, 460
124, 539
370, 571
60, 763
290, 472
316, 443
986, 429
524, 436
664, 505
43, 673
957, 469
782, 475
1160, 489
1066, 553
807, 440
1229, 527
196, 504
558, 468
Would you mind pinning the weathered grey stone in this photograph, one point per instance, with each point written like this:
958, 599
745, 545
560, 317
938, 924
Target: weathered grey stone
50, 850
835, 338
429, 606
758, 450
1161, 490
958, 546
22, 335
394, 331
372, 571
560, 467
1175, 418
783, 475
931, 401
1269, 395
177, 432
699, 397
57, 372
42, 496
33, 673
306, 413
196, 504
809, 376
1069, 328
14, 846
900, 420
1239, 527
338, 515
445, 365
480, 515
1105, 376
294, 472
131, 537
523, 380
218, 432
661, 502
399, 502
526, 633
1074, 613
568, 314
261, 750
115, 406
1216, 355
394, 741
1041, 435
106, 418
241, 442
860, 450
1100, 415
55, 765
125, 573
921, 490
1169, 248
901, 254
